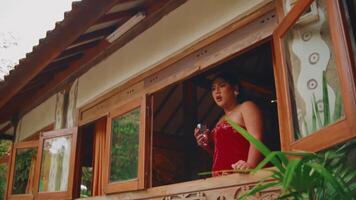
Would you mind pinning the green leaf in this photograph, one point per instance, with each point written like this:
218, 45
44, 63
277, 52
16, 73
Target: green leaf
338, 107
269, 158
316, 111
339, 188
350, 176
306, 129
288, 195
326, 100
299, 153
290, 172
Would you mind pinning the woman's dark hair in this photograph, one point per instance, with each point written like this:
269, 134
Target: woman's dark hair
228, 77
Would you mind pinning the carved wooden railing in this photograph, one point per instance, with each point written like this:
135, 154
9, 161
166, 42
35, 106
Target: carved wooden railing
216, 188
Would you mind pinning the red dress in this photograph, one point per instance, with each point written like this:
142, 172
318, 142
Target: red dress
229, 146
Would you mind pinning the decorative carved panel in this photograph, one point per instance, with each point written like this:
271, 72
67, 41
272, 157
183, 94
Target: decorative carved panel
189, 196
264, 195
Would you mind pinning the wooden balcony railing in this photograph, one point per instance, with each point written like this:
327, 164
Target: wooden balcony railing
216, 188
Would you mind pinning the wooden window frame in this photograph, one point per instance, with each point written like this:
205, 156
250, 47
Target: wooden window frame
339, 131
142, 176
21, 145
50, 135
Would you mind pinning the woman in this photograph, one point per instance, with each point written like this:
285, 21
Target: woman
229, 148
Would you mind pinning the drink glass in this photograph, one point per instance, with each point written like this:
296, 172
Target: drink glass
202, 129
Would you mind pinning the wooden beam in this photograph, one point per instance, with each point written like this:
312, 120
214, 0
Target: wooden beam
256, 88
208, 111
36, 83
77, 68
80, 48
126, 14
164, 101
200, 100
166, 141
5, 128
4, 136
77, 21
65, 60
95, 34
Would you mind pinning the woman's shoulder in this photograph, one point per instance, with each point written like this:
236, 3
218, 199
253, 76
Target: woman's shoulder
248, 105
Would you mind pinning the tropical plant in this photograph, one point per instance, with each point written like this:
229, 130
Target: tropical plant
4, 149
304, 175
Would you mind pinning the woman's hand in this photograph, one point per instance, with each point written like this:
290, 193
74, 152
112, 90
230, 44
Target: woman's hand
241, 165
202, 138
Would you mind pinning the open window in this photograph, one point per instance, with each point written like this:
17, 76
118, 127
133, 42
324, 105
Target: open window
125, 145
90, 167
178, 108
56, 159
22, 170
315, 83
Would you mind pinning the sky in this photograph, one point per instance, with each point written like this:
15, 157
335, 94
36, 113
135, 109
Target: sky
23, 23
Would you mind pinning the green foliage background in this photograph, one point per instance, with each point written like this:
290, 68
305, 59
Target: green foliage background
5, 146
22, 169
124, 149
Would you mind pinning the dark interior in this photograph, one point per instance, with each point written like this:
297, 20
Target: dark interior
84, 170
179, 107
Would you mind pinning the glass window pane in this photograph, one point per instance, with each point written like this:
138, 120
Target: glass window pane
124, 146
55, 164
313, 80
25, 162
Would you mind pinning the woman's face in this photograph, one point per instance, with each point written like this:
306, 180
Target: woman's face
223, 93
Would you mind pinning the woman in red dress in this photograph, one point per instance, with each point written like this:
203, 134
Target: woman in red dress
229, 148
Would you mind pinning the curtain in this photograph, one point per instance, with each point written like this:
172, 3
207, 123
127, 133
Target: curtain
99, 145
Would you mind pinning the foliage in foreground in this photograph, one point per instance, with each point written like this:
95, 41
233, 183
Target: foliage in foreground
303, 175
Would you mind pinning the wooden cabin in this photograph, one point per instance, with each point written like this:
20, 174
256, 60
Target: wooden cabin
104, 107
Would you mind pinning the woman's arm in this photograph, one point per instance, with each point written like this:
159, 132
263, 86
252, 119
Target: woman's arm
252, 118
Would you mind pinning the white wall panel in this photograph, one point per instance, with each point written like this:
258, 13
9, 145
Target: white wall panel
37, 119
181, 28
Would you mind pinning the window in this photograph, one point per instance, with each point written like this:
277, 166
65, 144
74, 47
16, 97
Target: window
178, 108
22, 170
56, 158
89, 164
125, 142
315, 82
